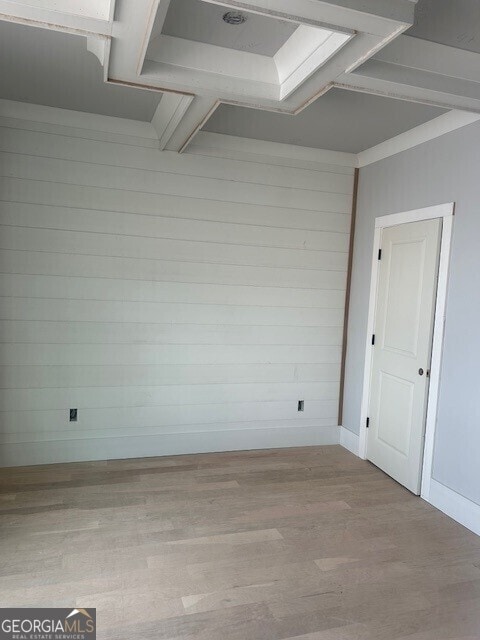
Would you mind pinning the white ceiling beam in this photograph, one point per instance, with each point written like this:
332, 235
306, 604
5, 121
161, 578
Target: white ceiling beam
421, 79
431, 57
42, 15
353, 54
170, 111
162, 7
133, 25
153, 28
133, 22
205, 83
420, 71
262, 95
195, 117
315, 46
202, 57
406, 91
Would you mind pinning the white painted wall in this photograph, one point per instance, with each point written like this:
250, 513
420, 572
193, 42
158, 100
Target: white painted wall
181, 302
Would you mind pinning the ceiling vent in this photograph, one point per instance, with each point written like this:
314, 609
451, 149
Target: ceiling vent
234, 17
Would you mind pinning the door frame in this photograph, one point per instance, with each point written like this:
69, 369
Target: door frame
446, 212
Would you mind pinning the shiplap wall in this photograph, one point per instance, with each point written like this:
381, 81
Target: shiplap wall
181, 302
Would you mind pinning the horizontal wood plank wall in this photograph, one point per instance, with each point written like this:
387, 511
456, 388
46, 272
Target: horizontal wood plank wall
181, 303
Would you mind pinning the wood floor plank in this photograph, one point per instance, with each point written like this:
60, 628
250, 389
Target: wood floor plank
287, 544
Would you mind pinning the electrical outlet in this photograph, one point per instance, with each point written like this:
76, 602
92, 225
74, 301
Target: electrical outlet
73, 415
301, 405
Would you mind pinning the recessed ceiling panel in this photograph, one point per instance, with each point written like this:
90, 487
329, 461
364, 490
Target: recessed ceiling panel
253, 54
203, 22
339, 120
55, 69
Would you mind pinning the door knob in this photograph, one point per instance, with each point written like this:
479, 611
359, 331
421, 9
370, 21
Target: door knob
420, 372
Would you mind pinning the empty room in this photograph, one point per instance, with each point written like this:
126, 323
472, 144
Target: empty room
239, 336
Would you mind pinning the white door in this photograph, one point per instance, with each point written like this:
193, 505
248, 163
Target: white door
404, 317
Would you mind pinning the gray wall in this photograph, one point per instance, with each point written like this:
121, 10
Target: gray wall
443, 170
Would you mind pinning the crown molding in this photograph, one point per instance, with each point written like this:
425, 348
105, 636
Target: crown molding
222, 144
430, 130
76, 119
203, 143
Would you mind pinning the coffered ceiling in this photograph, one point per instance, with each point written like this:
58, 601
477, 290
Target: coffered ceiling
183, 60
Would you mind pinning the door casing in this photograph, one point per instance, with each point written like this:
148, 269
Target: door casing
446, 212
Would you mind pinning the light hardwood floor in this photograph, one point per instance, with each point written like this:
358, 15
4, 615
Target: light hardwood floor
311, 544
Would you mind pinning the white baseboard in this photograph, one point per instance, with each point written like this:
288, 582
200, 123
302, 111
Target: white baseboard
31, 453
454, 505
451, 503
349, 440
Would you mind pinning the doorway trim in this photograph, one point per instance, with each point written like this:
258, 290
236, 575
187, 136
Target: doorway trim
445, 211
